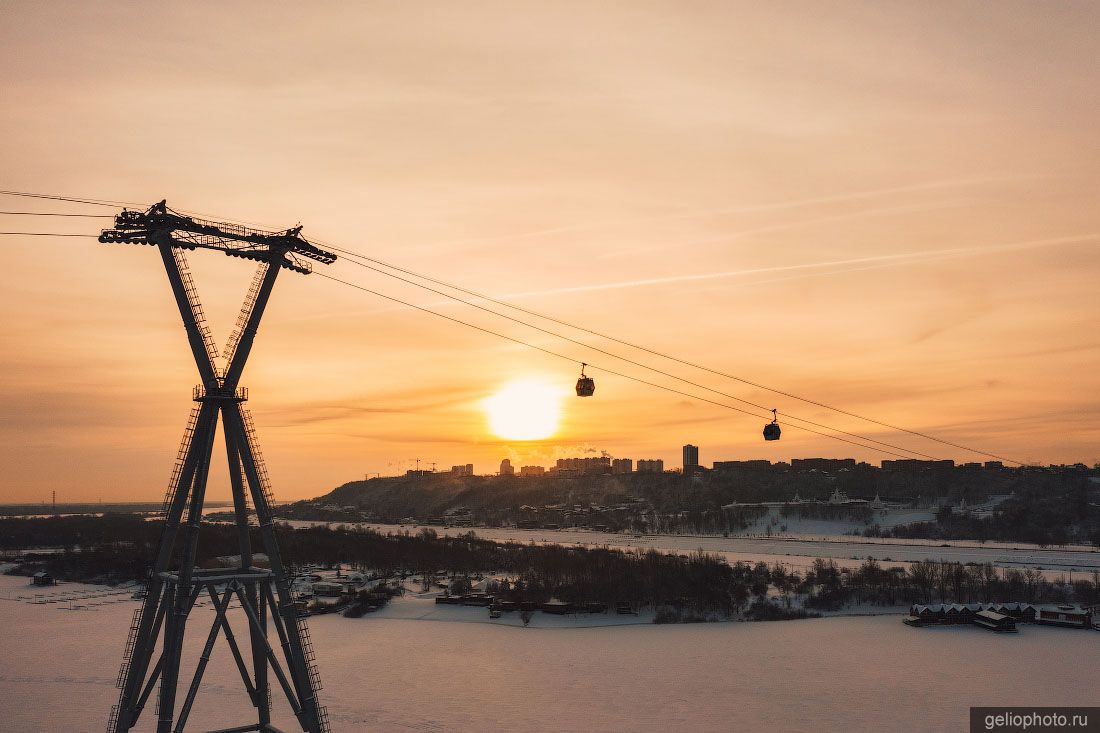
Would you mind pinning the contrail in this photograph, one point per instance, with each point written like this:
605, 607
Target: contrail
896, 258
783, 226
741, 208
856, 264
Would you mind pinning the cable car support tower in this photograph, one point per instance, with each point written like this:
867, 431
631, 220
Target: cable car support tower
154, 648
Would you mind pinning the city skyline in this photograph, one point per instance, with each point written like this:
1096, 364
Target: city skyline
627, 464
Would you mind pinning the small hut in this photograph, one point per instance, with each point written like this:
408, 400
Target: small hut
994, 621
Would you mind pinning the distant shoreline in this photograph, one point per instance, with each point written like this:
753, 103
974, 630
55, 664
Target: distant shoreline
823, 539
17, 509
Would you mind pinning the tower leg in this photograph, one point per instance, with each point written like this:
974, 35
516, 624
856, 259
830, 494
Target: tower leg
297, 646
259, 660
240, 506
155, 613
181, 607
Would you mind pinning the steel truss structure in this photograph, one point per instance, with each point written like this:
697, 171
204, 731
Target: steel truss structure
175, 584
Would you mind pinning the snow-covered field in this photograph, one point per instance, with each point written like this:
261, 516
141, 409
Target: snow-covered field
412, 668
796, 525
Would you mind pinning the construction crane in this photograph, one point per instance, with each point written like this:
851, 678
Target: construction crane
175, 584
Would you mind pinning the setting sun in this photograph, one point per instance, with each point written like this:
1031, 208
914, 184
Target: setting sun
526, 409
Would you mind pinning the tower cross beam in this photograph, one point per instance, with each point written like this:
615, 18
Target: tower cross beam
174, 583
162, 226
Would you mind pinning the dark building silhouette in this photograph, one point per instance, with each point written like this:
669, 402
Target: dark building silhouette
691, 458
753, 465
592, 464
912, 464
622, 465
822, 464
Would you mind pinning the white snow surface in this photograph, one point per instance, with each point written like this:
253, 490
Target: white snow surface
412, 668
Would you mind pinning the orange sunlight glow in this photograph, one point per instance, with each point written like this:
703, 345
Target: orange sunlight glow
524, 409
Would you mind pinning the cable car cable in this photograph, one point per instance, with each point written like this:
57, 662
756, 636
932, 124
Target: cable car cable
72, 199
48, 213
569, 358
574, 360
352, 253
637, 363
46, 234
678, 360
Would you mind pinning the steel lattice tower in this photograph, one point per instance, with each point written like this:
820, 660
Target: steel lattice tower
175, 584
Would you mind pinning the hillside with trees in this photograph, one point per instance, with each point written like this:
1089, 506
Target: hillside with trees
1053, 505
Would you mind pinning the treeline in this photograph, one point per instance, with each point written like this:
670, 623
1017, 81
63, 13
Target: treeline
700, 583
116, 549
929, 581
699, 586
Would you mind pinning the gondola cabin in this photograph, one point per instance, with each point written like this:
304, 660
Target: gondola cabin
771, 430
586, 386
999, 622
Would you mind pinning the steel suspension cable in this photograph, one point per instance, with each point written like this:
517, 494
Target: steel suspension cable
613, 355
50, 213
758, 385
46, 234
670, 357
574, 360
792, 420
71, 199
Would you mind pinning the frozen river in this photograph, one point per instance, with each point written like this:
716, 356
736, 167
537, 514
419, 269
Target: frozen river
403, 674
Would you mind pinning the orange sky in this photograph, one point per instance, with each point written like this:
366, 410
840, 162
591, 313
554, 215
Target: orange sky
888, 208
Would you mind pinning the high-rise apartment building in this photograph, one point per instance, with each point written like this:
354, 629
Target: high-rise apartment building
691, 458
